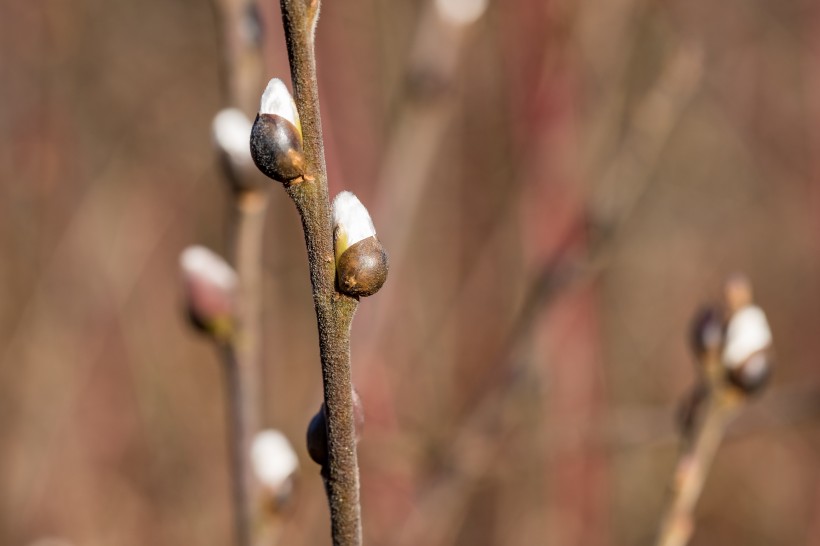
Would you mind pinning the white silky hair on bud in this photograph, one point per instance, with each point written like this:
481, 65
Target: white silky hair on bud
201, 262
231, 130
748, 332
273, 458
351, 221
461, 12
276, 99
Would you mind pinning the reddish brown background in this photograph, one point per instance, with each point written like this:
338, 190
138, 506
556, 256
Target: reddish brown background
586, 174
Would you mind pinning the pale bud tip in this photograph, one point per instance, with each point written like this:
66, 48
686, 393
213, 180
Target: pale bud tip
461, 12
231, 130
748, 332
351, 221
276, 99
200, 262
274, 460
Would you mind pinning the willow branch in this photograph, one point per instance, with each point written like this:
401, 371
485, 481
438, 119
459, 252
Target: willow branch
334, 311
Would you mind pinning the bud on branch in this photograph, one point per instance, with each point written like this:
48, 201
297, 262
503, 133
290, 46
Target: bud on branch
361, 262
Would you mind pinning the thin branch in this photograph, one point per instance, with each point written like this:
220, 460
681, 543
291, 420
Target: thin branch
693, 467
241, 77
243, 361
334, 311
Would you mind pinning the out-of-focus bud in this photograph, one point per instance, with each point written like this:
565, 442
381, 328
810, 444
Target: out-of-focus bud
231, 130
461, 12
210, 286
361, 262
317, 430
753, 374
274, 463
707, 331
276, 136
747, 350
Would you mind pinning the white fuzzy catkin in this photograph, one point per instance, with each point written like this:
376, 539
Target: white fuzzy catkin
231, 130
748, 332
276, 99
351, 221
461, 12
273, 458
200, 262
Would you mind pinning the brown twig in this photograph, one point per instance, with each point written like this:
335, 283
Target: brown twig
693, 466
242, 358
334, 311
241, 76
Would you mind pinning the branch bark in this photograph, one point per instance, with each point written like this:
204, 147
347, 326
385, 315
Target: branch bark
334, 311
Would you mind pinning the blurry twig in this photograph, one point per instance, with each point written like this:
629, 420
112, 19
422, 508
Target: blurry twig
693, 467
238, 25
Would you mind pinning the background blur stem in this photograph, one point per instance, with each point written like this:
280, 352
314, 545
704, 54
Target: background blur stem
242, 359
693, 466
334, 311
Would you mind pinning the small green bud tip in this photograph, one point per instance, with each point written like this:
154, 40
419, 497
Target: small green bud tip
361, 262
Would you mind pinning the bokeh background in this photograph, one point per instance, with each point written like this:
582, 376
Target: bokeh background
559, 184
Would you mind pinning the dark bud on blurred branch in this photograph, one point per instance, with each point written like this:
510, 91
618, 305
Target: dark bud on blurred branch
707, 331
361, 262
276, 136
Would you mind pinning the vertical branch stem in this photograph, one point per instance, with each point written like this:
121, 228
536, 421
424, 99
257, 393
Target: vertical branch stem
241, 77
238, 434
243, 362
334, 311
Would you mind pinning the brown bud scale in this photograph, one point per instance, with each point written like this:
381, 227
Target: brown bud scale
276, 148
362, 269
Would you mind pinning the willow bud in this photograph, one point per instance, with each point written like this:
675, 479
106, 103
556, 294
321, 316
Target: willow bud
210, 286
753, 374
361, 262
274, 463
231, 129
747, 350
276, 136
317, 430
707, 331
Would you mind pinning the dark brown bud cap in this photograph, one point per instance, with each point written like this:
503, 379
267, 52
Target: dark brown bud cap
361, 270
276, 148
317, 430
706, 332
